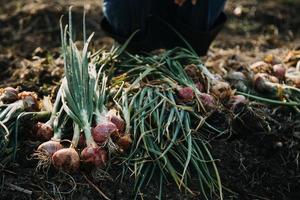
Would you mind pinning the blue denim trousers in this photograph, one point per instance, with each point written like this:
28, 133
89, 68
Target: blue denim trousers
126, 16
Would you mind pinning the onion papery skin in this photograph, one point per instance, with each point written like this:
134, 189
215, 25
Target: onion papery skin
30, 100
208, 101
200, 86
95, 156
50, 147
237, 101
103, 131
261, 84
119, 122
222, 90
279, 71
186, 93
42, 131
66, 159
8, 95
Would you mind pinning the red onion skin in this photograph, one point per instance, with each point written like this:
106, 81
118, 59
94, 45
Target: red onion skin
119, 122
81, 142
200, 87
191, 71
279, 71
43, 132
66, 159
207, 100
95, 156
50, 147
261, 83
186, 93
103, 131
8, 95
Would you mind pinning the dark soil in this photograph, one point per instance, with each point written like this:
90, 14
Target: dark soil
256, 160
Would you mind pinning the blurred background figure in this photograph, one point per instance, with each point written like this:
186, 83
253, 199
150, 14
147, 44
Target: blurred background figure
197, 21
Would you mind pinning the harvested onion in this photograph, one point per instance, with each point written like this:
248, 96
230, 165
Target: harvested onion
49, 148
66, 159
117, 120
279, 71
238, 80
43, 131
8, 95
30, 100
222, 90
103, 131
207, 100
186, 93
95, 156
236, 101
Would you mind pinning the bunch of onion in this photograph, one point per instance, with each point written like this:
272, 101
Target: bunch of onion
162, 135
16, 107
110, 127
46, 150
27, 102
160, 103
77, 92
271, 91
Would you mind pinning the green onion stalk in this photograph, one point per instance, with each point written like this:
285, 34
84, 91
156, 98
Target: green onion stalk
163, 142
78, 93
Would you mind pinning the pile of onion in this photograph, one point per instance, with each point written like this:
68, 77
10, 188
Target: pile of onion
8, 95
110, 131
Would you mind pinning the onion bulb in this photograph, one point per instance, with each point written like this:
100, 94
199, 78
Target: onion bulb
222, 90
103, 131
95, 156
191, 71
238, 80
186, 93
207, 100
262, 83
49, 148
8, 95
236, 101
43, 131
66, 159
200, 86
279, 71
117, 120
